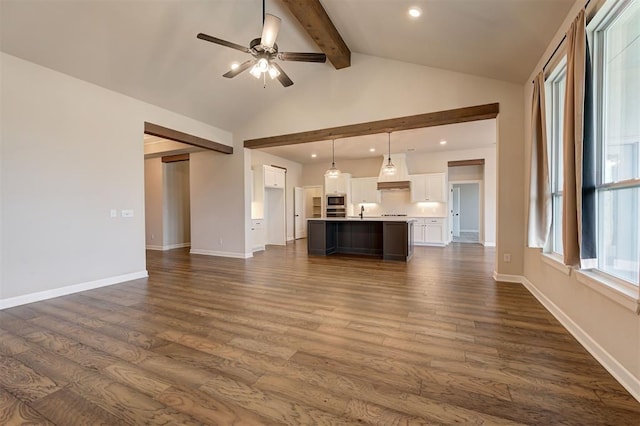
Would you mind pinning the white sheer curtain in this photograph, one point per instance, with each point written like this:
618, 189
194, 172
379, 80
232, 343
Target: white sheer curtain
539, 182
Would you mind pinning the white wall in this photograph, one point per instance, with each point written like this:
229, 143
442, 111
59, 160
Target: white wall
466, 173
71, 151
607, 328
153, 202
218, 200
364, 92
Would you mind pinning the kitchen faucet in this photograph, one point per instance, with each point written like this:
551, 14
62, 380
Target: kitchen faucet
361, 212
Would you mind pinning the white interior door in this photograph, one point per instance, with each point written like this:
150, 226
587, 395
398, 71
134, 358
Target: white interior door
299, 230
455, 211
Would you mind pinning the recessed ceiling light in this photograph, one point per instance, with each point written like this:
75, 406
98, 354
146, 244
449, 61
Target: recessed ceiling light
415, 12
443, 142
314, 155
372, 150
234, 65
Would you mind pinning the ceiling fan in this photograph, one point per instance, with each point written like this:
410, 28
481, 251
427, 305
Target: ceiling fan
265, 52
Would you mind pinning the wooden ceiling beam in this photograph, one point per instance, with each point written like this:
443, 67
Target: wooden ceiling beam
431, 119
174, 135
317, 23
460, 163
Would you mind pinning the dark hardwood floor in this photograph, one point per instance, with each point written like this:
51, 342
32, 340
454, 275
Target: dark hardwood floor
287, 339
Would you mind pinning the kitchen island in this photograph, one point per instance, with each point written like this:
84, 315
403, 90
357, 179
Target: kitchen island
388, 237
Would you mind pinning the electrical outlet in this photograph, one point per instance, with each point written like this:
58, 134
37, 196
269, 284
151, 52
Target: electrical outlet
113, 213
507, 257
220, 242
153, 236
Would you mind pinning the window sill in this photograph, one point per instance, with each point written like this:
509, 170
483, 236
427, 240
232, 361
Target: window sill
555, 261
621, 293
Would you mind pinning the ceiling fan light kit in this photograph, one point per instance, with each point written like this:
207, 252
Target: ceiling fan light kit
265, 52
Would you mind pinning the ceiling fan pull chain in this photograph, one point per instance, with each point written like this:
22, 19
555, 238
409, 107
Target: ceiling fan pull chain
264, 80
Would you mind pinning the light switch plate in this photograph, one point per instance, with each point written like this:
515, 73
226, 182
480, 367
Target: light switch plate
127, 213
113, 213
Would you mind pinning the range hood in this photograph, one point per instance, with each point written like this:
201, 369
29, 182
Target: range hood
398, 182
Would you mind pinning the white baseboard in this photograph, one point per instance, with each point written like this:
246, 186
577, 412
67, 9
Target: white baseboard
222, 253
75, 288
258, 248
489, 244
506, 278
630, 382
168, 247
430, 244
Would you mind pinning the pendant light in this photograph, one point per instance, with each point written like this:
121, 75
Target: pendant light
333, 172
390, 168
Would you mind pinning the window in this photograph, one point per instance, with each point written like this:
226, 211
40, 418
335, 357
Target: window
615, 35
555, 88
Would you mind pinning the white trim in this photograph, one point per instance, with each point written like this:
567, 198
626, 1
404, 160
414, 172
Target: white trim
555, 261
258, 248
235, 255
425, 244
470, 230
489, 244
168, 247
75, 288
610, 288
506, 278
617, 370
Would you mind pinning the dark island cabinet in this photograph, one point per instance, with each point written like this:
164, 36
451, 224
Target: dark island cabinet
391, 240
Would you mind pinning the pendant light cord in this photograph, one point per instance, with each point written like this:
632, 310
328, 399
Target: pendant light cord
333, 153
263, 13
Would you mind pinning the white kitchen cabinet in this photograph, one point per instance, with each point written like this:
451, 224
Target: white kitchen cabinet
339, 185
429, 231
428, 187
257, 234
365, 190
273, 177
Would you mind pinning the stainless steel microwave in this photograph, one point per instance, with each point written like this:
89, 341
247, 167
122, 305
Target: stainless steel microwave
335, 200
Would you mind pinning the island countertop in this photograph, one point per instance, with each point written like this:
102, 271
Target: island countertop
365, 219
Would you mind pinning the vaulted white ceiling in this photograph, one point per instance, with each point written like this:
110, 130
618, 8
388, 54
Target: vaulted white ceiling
148, 49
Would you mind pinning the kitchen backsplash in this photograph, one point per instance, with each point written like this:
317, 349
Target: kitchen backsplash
399, 202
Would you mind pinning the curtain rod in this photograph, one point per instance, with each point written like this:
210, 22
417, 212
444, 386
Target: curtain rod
560, 43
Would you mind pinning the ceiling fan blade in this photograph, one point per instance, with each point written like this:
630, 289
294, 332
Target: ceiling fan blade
243, 66
283, 78
221, 42
302, 57
270, 30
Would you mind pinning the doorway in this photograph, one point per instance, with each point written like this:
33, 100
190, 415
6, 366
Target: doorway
466, 212
167, 202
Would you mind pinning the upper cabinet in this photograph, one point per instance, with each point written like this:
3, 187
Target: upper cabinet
428, 187
365, 190
273, 177
339, 185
